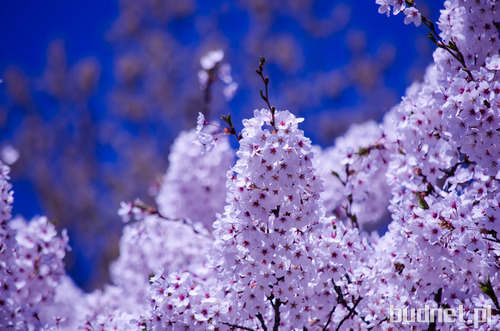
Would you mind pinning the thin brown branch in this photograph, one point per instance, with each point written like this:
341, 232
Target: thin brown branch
238, 326
265, 97
352, 312
262, 322
277, 317
439, 42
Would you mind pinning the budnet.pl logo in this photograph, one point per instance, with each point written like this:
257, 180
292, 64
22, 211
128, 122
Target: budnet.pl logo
439, 315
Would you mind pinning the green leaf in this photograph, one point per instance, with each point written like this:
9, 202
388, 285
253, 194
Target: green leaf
363, 151
421, 202
354, 218
452, 46
227, 119
432, 38
487, 289
151, 275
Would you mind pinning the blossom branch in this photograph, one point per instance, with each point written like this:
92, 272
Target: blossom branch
231, 129
266, 84
413, 15
349, 213
341, 300
139, 209
451, 47
451, 171
366, 150
330, 314
352, 312
348, 208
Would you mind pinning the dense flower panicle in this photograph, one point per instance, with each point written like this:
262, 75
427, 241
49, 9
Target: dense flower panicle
31, 265
7, 237
271, 247
272, 205
149, 248
194, 186
31, 268
470, 109
111, 308
183, 301
442, 243
473, 111
155, 244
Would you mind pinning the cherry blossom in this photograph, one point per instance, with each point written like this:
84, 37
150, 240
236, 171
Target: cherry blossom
289, 236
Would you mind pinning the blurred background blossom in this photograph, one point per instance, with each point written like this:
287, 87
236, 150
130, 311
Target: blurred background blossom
93, 94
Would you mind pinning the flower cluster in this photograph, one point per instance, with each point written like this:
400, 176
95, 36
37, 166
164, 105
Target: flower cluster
290, 247
149, 249
262, 242
442, 247
31, 266
276, 259
196, 192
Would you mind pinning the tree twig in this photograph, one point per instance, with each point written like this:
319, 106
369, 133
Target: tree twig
277, 317
238, 326
329, 317
262, 322
265, 97
352, 312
